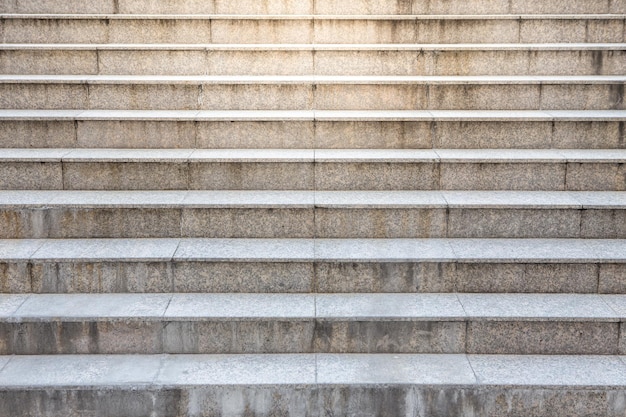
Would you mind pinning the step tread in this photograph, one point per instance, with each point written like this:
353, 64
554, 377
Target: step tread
134, 371
611, 200
310, 250
89, 155
415, 17
321, 115
320, 47
312, 79
332, 307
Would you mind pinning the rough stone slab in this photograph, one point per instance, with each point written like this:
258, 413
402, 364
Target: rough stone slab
361, 307
617, 303
392, 250
248, 199
19, 250
333, 250
394, 369
597, 199
379, 199
503, 199
93, 306
250, 306
351, 307
245, 250
321, 115
303, 199
598, 156
10, 303
91, 371
538, 306
200, 370
101, 250
549, 371
326, 7
512, 250
78, 371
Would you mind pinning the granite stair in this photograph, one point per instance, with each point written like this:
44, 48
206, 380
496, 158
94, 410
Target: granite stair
317, 207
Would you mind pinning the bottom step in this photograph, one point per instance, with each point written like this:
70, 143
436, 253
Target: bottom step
312, 385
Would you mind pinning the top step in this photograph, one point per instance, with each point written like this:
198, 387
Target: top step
306, 7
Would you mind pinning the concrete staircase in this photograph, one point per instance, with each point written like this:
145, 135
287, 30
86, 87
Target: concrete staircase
312, 208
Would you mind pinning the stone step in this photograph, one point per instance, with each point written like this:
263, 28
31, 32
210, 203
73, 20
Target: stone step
287, 59
314, 169
313, 384
300, 7
312, 92
219, 29
553, 324
309, 129
586, 266
302, 214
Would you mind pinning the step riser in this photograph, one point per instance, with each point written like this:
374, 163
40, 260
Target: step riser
136, 336
309, 223
320, 62
310, 7
297, 31
313, 400
481, 175
308, 134
310, 277
307, 96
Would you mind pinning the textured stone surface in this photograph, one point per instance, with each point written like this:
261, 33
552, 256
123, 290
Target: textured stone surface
248, 223
245, 277
503, 176
376, 176
44, 96
380, 277
549, 371
101, 277
137, 134
48, 62
392, 369
262, 134
380, 223
251, 176
45, 134
262, 31
527, 278
612, 279
125, 176
144, 96
543, 338
513, 223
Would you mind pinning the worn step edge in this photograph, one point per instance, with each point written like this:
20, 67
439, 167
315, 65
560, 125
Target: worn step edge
385, 7
314, 115
318, 47
414, 17
314, 79
159, 371
579, 200
88, 155
316, 250
329, 307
